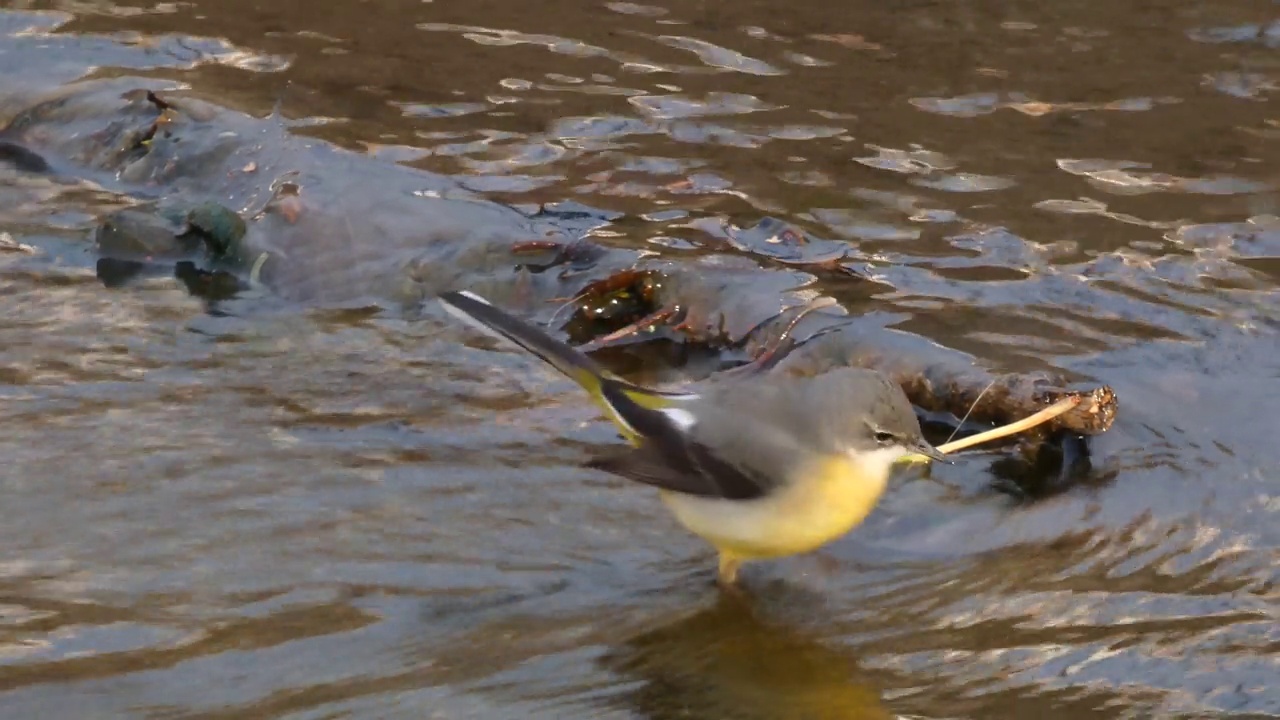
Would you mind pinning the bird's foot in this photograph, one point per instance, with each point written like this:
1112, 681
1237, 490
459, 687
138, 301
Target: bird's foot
727, 575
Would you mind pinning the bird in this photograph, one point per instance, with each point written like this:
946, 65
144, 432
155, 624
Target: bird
761, 468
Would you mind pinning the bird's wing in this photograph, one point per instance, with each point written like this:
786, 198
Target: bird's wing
671, 458
693, 469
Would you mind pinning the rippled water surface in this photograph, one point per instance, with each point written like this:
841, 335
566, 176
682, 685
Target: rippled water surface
295, 507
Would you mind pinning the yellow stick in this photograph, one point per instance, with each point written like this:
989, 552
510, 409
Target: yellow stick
1026, 423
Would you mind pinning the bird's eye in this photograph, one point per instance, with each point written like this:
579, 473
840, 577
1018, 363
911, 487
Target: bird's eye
884, 437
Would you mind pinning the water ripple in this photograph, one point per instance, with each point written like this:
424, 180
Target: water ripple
263, 508
718, 57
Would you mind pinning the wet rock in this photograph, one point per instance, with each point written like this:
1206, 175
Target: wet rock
211, 285
222, 233
144, 235
22, 158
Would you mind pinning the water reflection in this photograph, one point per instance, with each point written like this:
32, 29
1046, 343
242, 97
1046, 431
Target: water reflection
729, 661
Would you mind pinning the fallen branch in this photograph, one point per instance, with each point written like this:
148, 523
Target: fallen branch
939, 380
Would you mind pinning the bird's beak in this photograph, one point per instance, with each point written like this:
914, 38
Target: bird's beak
924, 448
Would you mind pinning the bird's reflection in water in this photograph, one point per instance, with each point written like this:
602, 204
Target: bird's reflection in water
729, 662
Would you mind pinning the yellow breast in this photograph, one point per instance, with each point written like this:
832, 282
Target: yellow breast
814, 508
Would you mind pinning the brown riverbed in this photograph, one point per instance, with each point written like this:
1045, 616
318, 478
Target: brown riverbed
277, 509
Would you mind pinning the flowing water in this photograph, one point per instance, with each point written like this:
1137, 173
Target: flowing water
287, 510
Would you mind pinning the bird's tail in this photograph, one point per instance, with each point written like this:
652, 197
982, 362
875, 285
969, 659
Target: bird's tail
484, 316
613, 394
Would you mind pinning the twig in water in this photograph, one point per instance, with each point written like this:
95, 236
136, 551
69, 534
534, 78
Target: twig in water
1064, 405
632, 329
970, 411
773, 352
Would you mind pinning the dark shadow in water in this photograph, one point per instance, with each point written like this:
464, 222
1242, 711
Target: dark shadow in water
731, 661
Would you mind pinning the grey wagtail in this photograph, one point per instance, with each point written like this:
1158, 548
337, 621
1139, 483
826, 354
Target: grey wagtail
766, 467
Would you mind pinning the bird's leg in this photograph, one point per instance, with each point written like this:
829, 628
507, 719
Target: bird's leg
727, 574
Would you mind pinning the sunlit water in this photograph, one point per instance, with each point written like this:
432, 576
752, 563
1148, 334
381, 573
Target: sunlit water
281, 510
